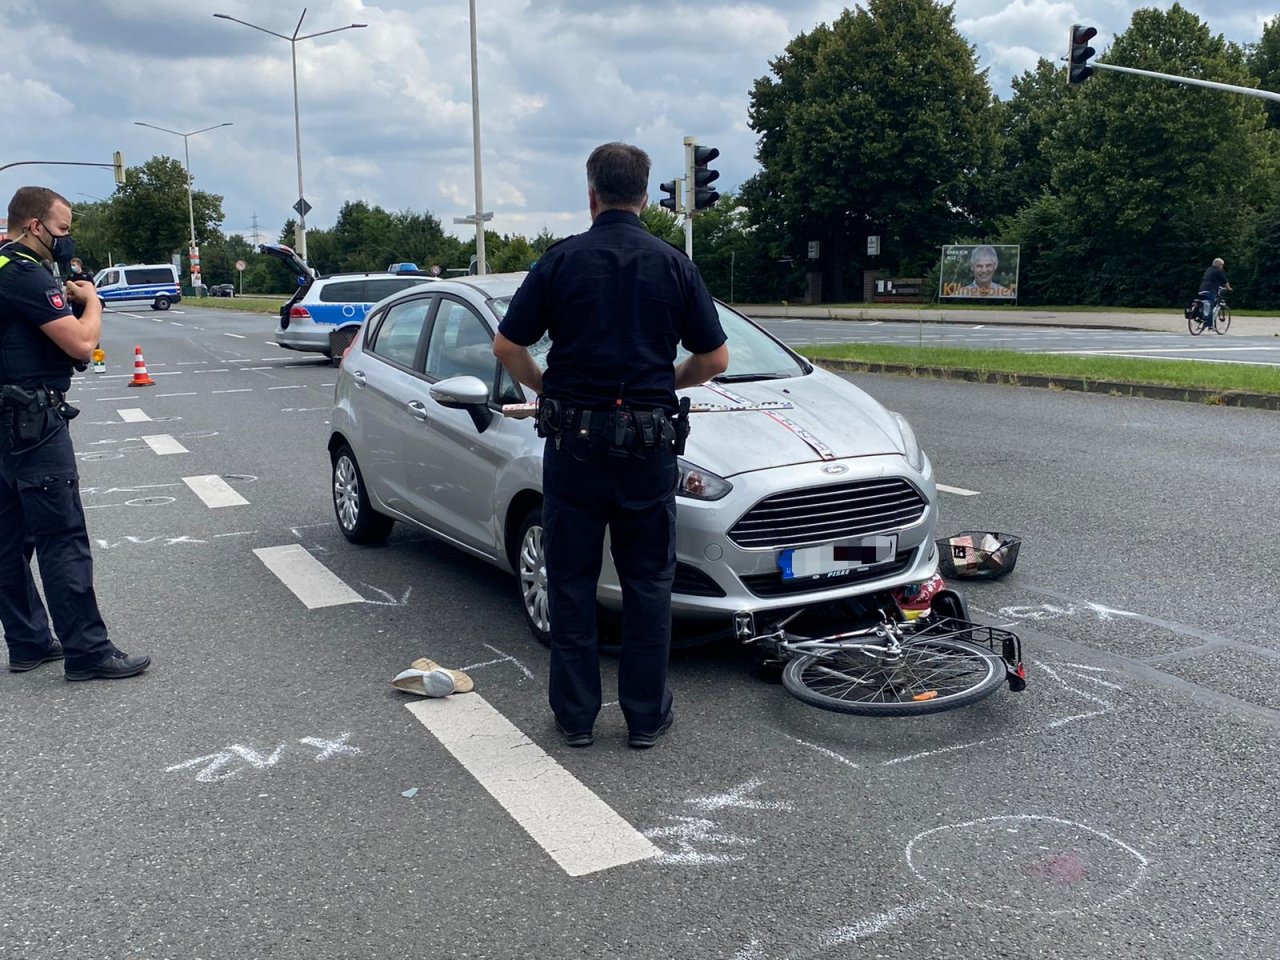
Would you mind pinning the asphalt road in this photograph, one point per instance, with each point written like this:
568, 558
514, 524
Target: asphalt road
263, 792
1257, 348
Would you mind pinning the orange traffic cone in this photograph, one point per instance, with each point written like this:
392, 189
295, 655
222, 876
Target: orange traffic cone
140, 378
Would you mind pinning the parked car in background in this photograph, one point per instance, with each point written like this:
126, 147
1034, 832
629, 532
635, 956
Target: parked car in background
325, 313
766, 496
222, 290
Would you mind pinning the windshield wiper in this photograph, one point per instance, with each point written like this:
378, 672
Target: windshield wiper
745, 377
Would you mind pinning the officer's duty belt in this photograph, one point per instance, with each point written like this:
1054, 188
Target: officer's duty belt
622, 430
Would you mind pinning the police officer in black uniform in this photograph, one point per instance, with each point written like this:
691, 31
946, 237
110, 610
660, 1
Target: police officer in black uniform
615, 302
41, 341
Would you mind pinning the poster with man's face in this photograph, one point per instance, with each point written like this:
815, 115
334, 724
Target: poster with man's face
979, 271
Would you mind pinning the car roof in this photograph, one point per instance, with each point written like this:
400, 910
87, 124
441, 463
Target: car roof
492, 286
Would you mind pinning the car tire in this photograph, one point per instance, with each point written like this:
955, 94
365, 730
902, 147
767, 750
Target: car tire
162, 303
357, 519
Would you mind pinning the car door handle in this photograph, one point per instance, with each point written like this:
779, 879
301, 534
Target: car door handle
358, 377
417, 409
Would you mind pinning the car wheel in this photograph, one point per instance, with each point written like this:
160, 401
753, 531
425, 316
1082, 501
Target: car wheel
531, 577
162, 303
357, 519
339, 341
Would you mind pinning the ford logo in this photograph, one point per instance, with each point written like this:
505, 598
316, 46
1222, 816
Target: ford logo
835, 468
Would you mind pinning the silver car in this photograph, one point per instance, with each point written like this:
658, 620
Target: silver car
796, 487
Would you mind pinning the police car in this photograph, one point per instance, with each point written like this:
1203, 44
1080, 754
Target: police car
796, 488
325, 312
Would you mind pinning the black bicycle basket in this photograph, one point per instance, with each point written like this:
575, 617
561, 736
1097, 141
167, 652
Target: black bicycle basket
977, 554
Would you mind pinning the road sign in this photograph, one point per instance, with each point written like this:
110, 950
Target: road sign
435, 269
873, 246
814, 247
240, 264
302, 208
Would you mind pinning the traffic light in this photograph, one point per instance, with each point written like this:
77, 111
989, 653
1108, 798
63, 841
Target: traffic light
117, 162
671, 202
1078, 69
701, 177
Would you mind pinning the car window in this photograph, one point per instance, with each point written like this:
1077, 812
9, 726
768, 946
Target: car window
378, 289
154, 275
397, 336
460, 344
111, 276
344, 291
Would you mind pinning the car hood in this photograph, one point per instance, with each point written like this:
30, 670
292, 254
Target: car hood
831, 410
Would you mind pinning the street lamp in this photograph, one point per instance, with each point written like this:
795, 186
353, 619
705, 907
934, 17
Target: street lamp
479, 218
301, 207
186, 154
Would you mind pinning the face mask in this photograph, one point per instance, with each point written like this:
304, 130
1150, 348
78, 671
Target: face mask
62, 249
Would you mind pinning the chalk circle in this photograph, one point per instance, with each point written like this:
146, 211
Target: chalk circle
99, 456
150, 502
1026, 864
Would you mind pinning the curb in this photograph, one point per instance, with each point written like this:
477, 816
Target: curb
963, 320
1224, 398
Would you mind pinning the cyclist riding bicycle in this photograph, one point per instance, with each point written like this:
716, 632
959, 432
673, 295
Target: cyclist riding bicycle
1212, 283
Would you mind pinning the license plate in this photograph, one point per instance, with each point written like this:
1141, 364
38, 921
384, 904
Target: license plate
837, 559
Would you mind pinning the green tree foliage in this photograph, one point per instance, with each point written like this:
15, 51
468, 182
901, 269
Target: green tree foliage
1025, 121
150, 216
664, 224
879, 123
1264, 62
1149, 180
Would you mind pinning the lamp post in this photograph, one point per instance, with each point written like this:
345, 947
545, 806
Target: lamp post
479, 218
186, 156
301, 207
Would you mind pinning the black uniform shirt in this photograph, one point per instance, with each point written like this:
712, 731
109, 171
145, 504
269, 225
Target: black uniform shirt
1213, 280
616, 301
30, 297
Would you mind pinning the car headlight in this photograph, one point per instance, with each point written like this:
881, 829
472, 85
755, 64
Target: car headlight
699, 484
910, 445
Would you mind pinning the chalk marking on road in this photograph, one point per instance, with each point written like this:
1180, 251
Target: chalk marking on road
958, 491
193, 394
164, 445
686, 831
1104, 706
310, 580
577, 829
868, 926
88, 491
933, 753
506, 656
132, 414
238, 336
214, 491
331, 748
389, 600
736, 797
237, 390
838, 757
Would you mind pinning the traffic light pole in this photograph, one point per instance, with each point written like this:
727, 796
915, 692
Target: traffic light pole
691, 194
1212, 85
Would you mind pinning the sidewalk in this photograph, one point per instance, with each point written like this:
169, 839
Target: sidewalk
1172, 322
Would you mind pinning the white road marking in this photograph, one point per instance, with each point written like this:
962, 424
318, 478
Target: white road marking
237, 390
575, 827
292, 386
310, 580
163, 444
238, 336
192, 394
132, 415
214, 491
214, 370
958, 491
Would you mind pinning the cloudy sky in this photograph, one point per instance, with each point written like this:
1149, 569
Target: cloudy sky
386, 110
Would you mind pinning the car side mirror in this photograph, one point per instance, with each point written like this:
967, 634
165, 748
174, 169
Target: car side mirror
465, 393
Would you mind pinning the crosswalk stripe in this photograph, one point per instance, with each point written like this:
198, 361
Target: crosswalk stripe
310, 580
132, 415
164, 444
577, 829
214, 491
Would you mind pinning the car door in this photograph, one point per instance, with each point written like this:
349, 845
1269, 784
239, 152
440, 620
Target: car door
453, 468
390, 396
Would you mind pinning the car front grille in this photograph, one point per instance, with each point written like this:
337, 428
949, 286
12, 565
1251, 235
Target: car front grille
772, 584
692, 582
823, 514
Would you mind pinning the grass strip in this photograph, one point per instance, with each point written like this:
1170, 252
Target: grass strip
1186, 374
958, 306
243, 304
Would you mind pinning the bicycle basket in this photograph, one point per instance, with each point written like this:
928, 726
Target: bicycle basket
1192, 310
977, 554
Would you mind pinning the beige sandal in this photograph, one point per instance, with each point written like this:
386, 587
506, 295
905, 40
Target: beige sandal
426, 678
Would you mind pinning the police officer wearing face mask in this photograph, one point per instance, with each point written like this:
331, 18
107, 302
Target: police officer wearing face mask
41, 340
616, 301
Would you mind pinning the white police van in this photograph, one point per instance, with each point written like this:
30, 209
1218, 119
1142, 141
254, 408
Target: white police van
153, 283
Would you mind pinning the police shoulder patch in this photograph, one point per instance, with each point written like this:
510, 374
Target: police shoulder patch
56, 300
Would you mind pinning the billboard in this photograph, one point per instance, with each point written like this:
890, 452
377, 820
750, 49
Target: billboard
979, 271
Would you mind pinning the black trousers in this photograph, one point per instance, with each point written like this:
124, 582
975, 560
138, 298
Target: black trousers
586, 490
40, 510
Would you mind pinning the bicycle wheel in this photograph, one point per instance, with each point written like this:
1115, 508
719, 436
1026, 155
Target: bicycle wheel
1196, 324
931, 675
1224, 318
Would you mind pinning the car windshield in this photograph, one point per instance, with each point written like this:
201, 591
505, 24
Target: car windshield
753, 354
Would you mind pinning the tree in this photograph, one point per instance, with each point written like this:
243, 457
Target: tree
1264, 62
1025, 121
1149, 180
664, 224
150, 216
880, 123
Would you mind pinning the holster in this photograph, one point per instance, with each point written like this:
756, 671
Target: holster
23, 412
